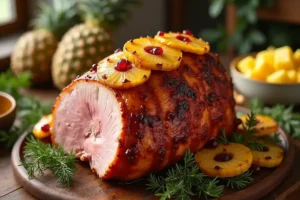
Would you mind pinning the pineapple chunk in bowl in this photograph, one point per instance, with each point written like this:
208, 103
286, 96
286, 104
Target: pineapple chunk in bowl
272, 75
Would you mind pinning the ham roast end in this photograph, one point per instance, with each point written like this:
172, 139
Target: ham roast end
89, 120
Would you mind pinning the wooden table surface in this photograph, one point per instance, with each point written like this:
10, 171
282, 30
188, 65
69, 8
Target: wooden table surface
11, 189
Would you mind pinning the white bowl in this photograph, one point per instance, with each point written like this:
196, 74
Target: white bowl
267, 92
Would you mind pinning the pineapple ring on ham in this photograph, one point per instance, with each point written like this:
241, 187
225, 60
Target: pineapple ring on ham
43, 128
265, 125
226, 160
117, 72
270, 156
150, 54
183, 42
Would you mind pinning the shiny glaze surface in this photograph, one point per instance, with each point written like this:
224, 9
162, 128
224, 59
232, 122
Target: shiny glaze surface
172, 112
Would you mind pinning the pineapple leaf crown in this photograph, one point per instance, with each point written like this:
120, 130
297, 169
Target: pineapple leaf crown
109, 14
58, 18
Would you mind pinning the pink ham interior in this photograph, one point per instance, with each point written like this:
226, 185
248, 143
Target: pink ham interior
88, 120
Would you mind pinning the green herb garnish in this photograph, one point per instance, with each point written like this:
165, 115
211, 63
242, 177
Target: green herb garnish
239, 182
283, 115
247, 138
183, 181
11, 84
223, 138
30, 110
42, 157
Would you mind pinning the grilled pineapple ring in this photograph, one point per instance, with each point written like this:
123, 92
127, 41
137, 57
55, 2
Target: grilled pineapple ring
226, 160
43, 128
265, 126
270, 156
184, 42
148, 53
117, 72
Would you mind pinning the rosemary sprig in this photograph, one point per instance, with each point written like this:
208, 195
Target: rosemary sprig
183, 181
239, 182
284, 116
223, 138
210, 188
247, 138
43, 157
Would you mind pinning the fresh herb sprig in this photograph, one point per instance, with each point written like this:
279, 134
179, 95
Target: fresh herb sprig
239, 182
42, 157
30, 110
11, 84
247, 137
183, 181
283, 115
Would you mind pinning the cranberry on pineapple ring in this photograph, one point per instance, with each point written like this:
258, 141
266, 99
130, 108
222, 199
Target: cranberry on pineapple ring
223, 157
188, 32
160, 33
123, 65
154, 50
45, 128
183, 38
94, 68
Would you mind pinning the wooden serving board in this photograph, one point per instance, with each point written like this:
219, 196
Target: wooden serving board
86, 185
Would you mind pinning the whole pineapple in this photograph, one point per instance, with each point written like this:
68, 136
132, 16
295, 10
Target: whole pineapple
34, 50
89, 42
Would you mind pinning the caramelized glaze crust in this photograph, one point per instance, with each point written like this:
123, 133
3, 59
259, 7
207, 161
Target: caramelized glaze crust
172, 112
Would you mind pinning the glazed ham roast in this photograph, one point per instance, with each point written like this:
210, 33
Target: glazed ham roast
126, 134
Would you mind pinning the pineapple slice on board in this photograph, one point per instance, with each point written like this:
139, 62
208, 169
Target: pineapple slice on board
226, 160
118, 72
183, 42
151, 54
270, 156
265, 125
43, 128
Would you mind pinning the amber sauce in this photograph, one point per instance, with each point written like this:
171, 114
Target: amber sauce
5, 105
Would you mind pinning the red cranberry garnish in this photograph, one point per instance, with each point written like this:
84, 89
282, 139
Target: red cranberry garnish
118, 50
223, 157
211, 143
255, 169
123, 65
46, 128
154, 50
160, 33
183, 39
94, 68
188, 32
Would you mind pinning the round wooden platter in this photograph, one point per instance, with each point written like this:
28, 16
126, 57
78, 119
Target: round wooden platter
86, 185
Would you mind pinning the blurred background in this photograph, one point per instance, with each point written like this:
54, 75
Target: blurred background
232, 28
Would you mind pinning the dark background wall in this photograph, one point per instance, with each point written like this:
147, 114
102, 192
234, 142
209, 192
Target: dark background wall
196, 16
